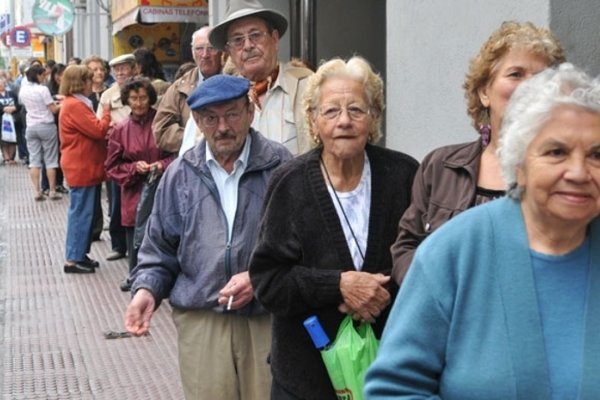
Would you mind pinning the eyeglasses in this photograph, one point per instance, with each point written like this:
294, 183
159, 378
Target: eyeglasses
138, 99
205, 49
212, 120
355, 113
238, 41
124, 67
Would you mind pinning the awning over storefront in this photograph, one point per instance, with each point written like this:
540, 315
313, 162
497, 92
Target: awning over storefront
157, 14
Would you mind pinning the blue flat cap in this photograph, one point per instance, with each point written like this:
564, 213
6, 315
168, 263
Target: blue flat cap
218, 89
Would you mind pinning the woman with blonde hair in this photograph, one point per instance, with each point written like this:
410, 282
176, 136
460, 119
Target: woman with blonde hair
83, 147
454, 178
330, 217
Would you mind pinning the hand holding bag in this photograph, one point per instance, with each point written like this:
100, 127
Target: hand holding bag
9, 133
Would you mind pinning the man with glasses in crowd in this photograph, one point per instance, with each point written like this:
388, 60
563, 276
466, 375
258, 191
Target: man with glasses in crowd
173, 115
198, 244
250, 34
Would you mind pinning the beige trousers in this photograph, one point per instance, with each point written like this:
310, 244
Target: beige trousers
223, 356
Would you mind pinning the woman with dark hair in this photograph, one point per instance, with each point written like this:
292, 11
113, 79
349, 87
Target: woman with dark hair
53, 85
8, 105
55, 77
148, 66
41, 132
132, 154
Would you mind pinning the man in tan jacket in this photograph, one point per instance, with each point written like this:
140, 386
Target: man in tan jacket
250, 34
173, 113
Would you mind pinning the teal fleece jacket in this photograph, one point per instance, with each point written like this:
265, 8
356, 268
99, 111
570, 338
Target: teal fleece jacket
466, 325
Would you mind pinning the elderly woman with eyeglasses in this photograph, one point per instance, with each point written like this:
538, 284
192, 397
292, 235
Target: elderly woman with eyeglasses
133, 154
330, 217
503, 301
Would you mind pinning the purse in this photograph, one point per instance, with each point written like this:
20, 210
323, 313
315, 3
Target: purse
144, 207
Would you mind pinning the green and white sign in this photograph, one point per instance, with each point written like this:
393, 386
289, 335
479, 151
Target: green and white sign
53, 17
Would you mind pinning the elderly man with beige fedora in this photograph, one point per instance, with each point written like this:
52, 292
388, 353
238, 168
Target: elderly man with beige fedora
250, 34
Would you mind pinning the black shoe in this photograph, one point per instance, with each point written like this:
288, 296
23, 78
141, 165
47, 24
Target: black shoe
78, 268
90, 262
125, 285
62, 189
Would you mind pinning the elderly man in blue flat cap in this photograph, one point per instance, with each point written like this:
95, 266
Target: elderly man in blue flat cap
197, 247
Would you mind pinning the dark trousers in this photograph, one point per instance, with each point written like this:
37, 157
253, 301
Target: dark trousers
279, 393
22, 142
59, 177
98, 219
118, 237
131, 250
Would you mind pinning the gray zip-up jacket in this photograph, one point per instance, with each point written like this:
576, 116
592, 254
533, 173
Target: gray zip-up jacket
185, 254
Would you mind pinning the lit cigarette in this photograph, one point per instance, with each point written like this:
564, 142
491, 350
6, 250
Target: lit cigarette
229, 303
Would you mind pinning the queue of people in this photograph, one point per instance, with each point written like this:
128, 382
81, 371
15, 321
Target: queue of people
477, 268
340, 225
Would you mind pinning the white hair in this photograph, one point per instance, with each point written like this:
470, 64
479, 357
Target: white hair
532, 105
198, 31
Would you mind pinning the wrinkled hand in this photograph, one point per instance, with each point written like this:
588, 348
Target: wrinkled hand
364, 295
159, 166
240, 288
106, 107
142, 167
139, 312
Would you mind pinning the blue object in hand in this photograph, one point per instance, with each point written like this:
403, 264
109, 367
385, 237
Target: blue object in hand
316, 332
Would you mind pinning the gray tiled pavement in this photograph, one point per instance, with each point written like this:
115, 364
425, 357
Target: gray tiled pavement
51, 324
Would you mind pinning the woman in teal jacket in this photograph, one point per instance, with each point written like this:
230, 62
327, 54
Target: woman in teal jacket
503, 301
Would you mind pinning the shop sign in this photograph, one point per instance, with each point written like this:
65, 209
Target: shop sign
22, 52
20, 36
173, 14
5, 24
53, 17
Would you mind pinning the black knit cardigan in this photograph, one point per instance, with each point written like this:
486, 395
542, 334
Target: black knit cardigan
302, 250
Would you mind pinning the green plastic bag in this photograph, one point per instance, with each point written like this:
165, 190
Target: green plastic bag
348, 358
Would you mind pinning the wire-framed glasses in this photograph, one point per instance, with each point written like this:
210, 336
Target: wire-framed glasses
237, 41
356, 113
212, 120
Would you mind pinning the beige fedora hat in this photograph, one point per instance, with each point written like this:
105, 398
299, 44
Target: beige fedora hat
236, 9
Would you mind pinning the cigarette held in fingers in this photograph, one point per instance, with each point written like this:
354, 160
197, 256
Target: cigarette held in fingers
229, 302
